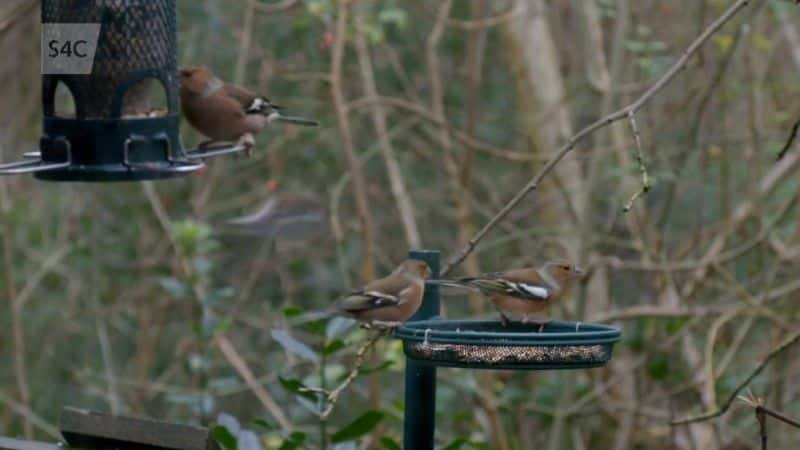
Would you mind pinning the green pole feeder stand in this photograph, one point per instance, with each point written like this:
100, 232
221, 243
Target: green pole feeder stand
115, 134
429, 341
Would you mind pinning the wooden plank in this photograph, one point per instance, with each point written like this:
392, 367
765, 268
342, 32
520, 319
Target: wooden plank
91, 429
19, 444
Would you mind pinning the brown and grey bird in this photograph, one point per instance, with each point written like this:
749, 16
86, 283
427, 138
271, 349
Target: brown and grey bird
389, 301
225, 112
521, 292
284, 215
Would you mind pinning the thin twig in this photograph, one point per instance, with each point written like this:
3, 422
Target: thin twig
640, 161
229, 351
405, 204
272, 8
332, 396
601, 123
348, 145
779, 416
790, 141
30, 416
762, 426
760, 367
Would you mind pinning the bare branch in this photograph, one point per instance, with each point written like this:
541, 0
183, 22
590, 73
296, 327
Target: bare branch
601, 123
331, 397
229, 351
640, 161
790, 141
757, 370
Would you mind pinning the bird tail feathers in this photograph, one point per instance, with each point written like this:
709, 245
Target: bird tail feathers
297, 120
313, 316
460, 283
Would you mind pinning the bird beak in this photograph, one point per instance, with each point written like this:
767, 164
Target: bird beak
579, 271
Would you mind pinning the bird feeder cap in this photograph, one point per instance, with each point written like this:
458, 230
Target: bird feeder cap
481, 344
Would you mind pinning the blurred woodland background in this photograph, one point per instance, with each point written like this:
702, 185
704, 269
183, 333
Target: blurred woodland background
128, 298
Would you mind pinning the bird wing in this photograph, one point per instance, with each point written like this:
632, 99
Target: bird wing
393, 285
228, 105
282, 216
388, 291
365, 300
515, 283
240, 94
262, 215
249, 101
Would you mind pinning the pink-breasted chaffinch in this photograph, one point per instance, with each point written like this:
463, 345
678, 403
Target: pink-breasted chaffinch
224, 112
522, 291
388, 301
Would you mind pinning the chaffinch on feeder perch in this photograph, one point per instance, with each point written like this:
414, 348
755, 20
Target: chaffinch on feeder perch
388, 301
225, 112
522, 291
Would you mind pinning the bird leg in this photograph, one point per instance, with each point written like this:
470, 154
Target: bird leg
249, 142
542, 324
504, 320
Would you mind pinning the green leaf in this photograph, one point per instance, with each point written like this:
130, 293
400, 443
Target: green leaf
292, 345
333, 347
217, 295
659, 368
223, 326
394, 16
336, 326
174, 287
294, 441
390, 444
296, 387
225, 439
380, 367
190, 234
359, 427
456, 445
292, 311
248, 440
202, 265
265, 424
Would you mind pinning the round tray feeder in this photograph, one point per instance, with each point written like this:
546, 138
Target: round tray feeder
429, 342
113, 136
475, 344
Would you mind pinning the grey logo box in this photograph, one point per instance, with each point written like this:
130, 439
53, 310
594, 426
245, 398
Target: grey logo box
69, 48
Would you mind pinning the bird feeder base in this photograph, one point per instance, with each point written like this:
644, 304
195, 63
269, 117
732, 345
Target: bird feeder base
476, 344
129, 149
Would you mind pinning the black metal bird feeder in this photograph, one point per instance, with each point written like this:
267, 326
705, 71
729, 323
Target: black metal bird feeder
429, 342
114, 135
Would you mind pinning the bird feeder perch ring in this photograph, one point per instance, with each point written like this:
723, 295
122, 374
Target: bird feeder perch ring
481, 344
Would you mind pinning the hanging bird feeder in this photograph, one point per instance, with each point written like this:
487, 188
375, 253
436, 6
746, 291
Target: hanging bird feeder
114, 133
429, 342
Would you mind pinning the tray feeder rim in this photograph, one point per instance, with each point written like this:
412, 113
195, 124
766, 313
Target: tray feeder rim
440, 331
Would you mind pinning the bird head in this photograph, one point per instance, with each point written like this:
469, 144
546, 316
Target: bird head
195, 79
415, 268
562, 271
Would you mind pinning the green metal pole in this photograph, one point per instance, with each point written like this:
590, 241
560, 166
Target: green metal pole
420, 409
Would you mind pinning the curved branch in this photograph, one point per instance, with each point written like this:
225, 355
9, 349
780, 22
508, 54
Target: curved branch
601, 123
